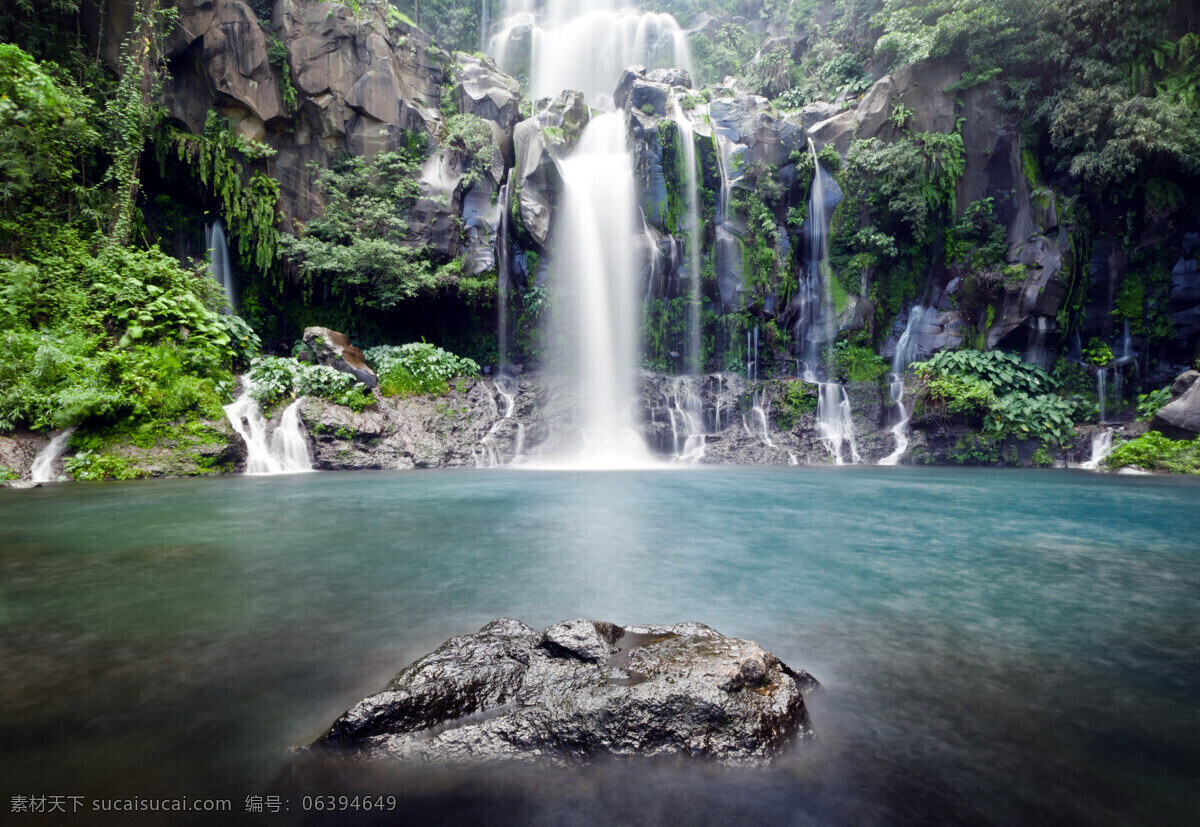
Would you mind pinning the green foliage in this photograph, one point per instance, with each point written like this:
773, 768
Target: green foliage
796, 398
1154, 452
1004, 371
44, 128
857, 363
277, 56
7, 474
1097, 352
274, 379
90, 465
975, 449
1042, 458
132, 113
417, 368
1045, 417
1013, 397
248, 205
126, 334
469, 140
356, 251
1148, 404
948, 394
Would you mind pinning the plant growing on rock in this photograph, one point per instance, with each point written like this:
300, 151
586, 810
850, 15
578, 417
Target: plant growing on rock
417, 368
274, 380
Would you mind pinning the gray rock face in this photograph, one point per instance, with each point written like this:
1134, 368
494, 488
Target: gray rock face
1180, 418
581, 690
747, 120
334, 350
481, 89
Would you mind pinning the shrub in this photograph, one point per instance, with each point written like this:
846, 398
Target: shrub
1148, 404
1156, 452
858, 363
275, 379
416, 368
89, 465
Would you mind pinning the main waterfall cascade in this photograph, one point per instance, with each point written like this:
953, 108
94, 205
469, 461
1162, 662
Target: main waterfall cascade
599, 230
596, 262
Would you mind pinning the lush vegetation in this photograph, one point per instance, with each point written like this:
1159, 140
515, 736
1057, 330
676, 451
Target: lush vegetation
109, 321
1010, 397
1154, 452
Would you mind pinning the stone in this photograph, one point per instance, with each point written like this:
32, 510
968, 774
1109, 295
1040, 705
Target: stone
579, 691
334, 350
1180, 418
481, 89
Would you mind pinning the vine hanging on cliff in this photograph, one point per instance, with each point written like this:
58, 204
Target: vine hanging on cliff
247, 205
132, 111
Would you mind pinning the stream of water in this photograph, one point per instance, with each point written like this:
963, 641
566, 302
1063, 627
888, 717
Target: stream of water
995, 647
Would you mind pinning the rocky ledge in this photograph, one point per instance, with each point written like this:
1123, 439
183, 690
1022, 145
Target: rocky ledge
578, 691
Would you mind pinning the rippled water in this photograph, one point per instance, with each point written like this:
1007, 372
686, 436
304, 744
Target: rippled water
996, 647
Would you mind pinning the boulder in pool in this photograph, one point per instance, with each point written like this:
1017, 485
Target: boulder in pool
582, 690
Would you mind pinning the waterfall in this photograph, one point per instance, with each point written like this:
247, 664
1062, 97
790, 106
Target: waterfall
1101, 448
695, 354
585, 44
283, 453
42, 469
1102, 393
687, 415
219, 265
817, 329
288, 445
595, 260
905, 353
503, 280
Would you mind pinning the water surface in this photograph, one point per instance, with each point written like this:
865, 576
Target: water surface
996, 647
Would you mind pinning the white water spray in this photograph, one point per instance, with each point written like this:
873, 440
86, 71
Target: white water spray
1102, 444
42, 469
905, 353
693, 241
817, 328
283, 453
585, 44
596, 263
220, 266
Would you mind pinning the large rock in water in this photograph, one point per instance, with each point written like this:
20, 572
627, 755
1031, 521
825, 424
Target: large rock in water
580, 690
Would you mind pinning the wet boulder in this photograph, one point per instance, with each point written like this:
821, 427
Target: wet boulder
1180, 418
334, 350
578, 691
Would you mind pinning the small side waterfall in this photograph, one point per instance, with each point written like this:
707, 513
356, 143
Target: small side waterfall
286, 452
687, 420
1102, 393
1102, 443
905, 353
687, 140
42, 469
288, 444
220, 266
503, 279
817, 328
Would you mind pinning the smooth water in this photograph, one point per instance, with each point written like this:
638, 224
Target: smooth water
1020, 647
